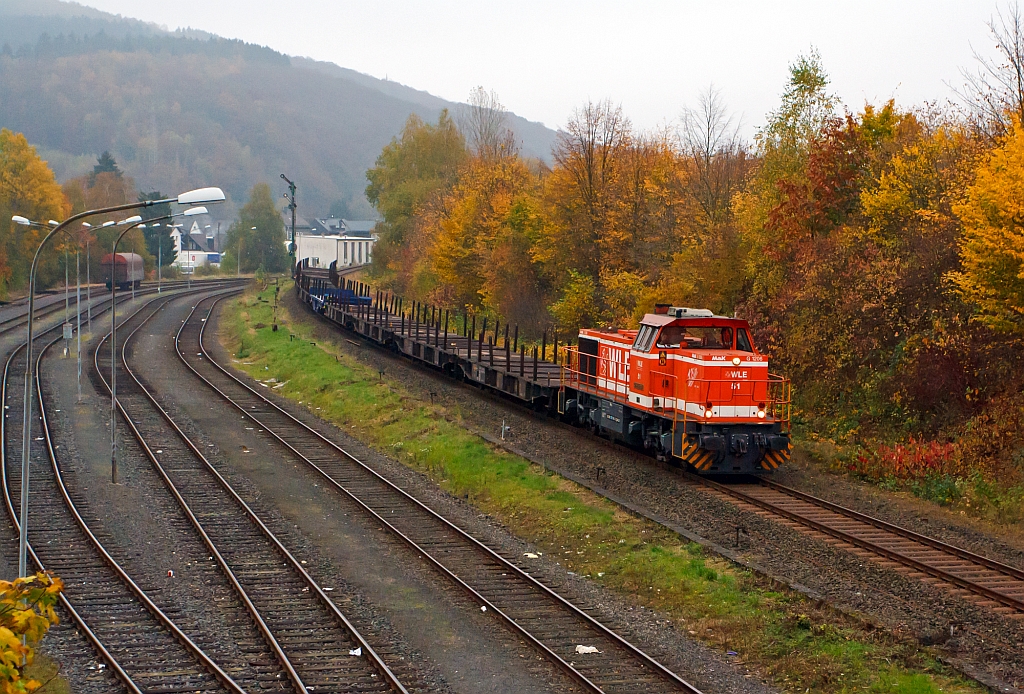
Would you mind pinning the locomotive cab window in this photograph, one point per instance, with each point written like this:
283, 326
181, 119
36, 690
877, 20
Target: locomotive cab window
742, 341
644, 338
692, 337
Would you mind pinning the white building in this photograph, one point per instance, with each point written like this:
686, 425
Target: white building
191, 251
351, 243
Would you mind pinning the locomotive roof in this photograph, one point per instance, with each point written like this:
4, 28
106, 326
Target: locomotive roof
657, 320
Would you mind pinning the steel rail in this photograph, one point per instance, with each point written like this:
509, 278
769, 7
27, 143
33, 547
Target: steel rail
875, 548
884, 525
254, 613
643, 657
77, 618
105, 556
373, 657
15, 321
897, 530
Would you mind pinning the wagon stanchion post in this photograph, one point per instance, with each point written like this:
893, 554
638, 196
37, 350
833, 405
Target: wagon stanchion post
543, 347
446, 328
535, 363
469, 339
522, 361
490, 350
515, 340
480, 342
508, 353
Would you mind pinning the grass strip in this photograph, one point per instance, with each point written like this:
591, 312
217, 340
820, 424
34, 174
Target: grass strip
778, 635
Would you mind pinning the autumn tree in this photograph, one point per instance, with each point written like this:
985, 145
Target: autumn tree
484, 122
993, 245
26, 614
262, 247
27, 188
713, 166
783, 147
415, 169
107, 186
993, 93
581, 190
482, 240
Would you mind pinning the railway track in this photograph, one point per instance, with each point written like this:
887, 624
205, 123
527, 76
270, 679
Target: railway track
316, 644
989, 583
18, 320
143, 646
559, 630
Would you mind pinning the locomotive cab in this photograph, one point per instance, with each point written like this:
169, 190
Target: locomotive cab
689, 385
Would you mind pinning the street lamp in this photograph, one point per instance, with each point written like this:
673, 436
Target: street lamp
23, 221
132, 223
193, 197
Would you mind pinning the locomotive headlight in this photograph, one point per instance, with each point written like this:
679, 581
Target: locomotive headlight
760, 414
735, 361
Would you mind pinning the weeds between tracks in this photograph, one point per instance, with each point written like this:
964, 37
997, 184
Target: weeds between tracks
776, 634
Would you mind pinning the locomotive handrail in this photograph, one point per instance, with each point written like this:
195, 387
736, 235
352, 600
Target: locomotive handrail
584, 372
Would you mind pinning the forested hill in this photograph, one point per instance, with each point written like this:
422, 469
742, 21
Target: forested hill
183, 109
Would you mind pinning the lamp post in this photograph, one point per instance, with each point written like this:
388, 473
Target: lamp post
202, 195
88, 277
132, 223
78, 316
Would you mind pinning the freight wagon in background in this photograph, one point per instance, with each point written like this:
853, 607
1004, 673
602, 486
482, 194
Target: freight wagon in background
126, 270
688, 386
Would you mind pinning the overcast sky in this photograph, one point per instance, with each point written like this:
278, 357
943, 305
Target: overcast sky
545, 58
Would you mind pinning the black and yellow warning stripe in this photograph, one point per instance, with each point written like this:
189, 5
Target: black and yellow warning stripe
773, 459
702, 459
699, 458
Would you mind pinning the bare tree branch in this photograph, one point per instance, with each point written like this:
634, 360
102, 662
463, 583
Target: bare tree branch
993, 95
709, 138
484, 121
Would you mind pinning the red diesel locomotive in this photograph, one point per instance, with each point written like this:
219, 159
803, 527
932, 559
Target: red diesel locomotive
689, 385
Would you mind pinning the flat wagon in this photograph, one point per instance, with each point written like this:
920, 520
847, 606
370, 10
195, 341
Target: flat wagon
689, 386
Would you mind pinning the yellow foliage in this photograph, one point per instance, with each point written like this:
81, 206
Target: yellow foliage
26, 611
992, 249
27, 188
